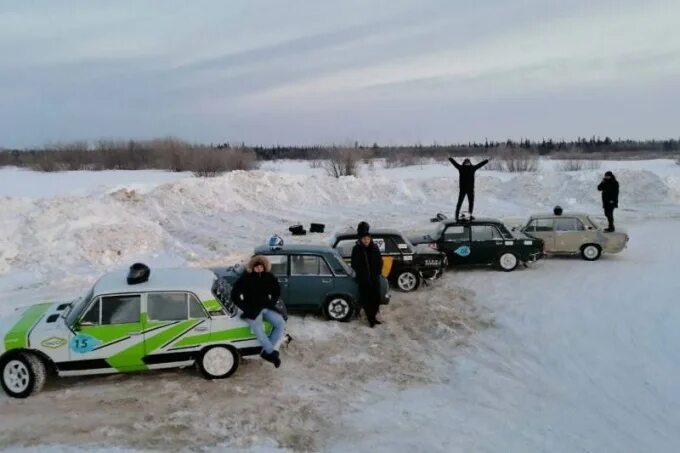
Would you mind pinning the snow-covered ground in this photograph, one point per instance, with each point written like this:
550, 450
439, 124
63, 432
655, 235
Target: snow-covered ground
563, 356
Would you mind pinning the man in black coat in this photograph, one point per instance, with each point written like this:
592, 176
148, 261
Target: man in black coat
466, 182
610, 197
367, 263
256, 293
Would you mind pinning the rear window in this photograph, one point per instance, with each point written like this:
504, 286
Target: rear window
345, 246
568, 224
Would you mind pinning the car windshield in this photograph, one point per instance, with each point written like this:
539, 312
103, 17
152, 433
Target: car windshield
438, 231
78, 306
504, 231
341, 264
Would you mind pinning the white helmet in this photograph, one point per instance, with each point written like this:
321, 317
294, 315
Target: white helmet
275, 241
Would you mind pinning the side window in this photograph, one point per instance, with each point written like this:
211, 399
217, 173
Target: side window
308, 265
568, 224
456, 233
279, 264
120, 309
402, 245
485, 233
92, 315
195, 308
345, 247
380, 242
339, 266
166, 306
531, 226
543, 225
391, 246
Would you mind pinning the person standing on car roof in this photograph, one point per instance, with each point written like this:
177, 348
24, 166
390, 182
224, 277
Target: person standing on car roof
256, 293
610, 197
367, 263
466, 182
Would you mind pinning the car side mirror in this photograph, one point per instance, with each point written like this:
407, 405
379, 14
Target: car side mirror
81, 324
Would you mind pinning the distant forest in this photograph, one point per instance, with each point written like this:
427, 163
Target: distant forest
210, 159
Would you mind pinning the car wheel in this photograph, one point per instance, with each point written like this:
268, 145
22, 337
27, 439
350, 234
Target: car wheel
407, 281
508, 261
218, 362
591, 252
23, 374
338, 308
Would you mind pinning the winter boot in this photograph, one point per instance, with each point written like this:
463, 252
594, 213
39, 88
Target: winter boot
276, 360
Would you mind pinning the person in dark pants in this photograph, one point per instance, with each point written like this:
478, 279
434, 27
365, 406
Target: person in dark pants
466, 181
367, 263
610, 197
256, 293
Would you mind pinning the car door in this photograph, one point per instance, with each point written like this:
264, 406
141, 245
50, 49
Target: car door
172, 316
391, 255
310, 281
543, 228
486, 242
280, 268
109, 333
455, 242
568, 234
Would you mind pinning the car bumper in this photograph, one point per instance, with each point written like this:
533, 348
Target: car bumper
533, 257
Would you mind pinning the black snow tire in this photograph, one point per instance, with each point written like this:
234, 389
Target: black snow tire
210, 366
407, 280
507, 261
338, 308
28, 373
591, 252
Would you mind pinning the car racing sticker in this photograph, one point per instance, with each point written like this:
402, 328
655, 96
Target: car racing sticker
380, 242
53, 342
83, 343
463, 250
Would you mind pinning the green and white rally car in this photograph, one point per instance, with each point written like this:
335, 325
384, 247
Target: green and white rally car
168, 318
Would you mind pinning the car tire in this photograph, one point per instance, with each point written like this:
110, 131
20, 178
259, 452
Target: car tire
507, 261
22, 374
407, 281
338, 308
591, 252
218, 362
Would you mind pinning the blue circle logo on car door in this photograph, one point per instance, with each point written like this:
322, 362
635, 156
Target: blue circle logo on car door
83, 343
463, 250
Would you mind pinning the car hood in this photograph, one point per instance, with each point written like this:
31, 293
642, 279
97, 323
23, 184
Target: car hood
421, 238
15, 328
424, 249
230, 273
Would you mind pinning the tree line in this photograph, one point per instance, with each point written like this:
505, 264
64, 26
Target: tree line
206, 160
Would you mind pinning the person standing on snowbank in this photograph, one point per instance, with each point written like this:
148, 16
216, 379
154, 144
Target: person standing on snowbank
367, 263
466, 182
610, 197
256, 293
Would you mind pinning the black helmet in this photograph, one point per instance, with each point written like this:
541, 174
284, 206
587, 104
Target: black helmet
363, 229
467, 162
557, 210
139, 273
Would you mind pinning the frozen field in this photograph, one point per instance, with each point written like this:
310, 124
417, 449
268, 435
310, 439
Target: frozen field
563, 356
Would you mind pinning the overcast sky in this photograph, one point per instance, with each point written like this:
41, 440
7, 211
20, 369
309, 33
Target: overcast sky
303, 72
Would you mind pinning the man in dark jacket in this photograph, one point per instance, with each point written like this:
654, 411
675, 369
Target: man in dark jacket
466, 182
367, 263
610, 197
256, 293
